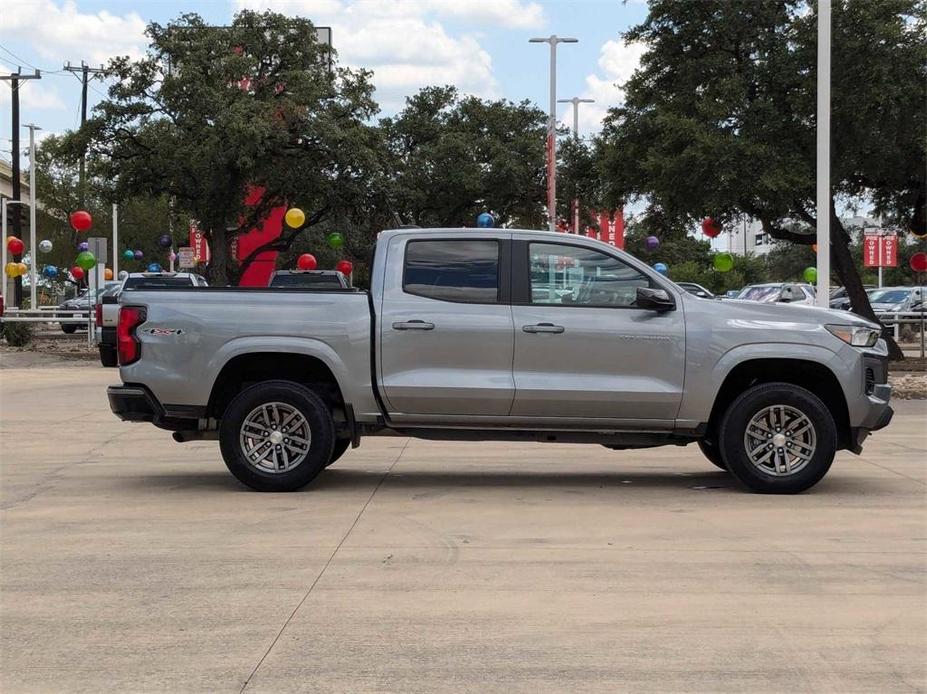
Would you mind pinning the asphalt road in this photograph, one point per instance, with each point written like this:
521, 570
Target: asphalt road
131, 563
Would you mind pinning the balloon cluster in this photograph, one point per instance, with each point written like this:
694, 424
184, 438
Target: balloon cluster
129, 254
16, 269
14, 245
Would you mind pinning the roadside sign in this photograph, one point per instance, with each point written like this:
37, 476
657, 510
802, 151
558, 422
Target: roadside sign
186, 258
97, 246
880, 250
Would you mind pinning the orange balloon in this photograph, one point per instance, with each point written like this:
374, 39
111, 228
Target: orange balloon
107, 274
814, 247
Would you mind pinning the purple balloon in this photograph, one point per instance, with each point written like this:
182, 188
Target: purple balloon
652, 243
83, 246
139, 255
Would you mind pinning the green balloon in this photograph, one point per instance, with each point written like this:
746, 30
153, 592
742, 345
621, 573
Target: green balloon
85, 260
724, 262
811, 275
335, 240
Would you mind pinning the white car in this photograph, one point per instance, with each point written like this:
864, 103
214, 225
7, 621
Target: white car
896, 299
778, 292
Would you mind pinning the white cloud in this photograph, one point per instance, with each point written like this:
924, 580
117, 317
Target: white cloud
405, 42
617, 62
59, 31
33, 94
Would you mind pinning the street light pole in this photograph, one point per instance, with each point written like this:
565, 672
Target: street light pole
574, 204
33, 251
553, 40
823, 154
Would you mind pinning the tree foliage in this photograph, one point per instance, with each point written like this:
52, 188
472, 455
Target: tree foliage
719, 120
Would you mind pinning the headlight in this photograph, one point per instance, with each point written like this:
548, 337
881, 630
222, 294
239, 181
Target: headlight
855, 335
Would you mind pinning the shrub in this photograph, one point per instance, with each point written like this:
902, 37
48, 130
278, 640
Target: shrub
17, 334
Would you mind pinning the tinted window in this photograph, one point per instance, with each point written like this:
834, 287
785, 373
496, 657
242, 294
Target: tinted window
465, 271
148, 282
297, 280
563, 274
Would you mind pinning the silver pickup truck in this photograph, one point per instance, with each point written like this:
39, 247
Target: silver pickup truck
496, 334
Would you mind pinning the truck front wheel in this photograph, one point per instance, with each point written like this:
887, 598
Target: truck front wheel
276, 436
778, 438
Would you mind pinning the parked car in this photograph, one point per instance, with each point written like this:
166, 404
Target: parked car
896, 299
778, 292
483, 335
697, 290
81, 302
107, 308
840, 300
319, 279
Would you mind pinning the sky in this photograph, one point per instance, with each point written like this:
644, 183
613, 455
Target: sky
480, 46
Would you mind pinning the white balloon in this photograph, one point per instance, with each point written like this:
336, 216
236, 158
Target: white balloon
123, 274
45, 246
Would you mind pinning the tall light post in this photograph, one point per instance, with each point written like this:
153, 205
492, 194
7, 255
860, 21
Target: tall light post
574, 205
4, 203
33, 251
553, 40
823, 154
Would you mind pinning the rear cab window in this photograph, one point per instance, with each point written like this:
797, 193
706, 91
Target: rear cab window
459, 270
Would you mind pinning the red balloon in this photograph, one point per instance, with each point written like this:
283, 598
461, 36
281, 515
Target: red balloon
15, 246
710, 227
77, 273
918, 262
80, 220
345, 267
306, 261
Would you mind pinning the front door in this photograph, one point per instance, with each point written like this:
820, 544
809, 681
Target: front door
446, 334
583, 349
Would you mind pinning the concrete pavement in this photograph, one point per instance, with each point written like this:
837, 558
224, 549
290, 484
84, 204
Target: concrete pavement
129, 562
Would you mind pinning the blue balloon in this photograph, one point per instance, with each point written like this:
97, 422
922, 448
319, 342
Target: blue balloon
83, 246
485, 220
661, 268
50, 271
154, 267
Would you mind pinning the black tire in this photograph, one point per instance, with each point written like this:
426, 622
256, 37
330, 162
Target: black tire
753, 401
711, 451
308, 404
69, 328
108, 356
341, 445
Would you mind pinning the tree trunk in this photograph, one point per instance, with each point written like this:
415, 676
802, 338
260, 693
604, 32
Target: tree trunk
849, 276
218, 256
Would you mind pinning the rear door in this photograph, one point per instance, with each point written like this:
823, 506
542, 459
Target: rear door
445, 327
583, 349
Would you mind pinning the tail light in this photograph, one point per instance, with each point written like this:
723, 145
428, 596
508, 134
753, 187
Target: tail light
1, 305
98, 315
128, 346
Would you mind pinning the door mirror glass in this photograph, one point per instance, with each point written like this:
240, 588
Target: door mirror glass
786, 295
654, 299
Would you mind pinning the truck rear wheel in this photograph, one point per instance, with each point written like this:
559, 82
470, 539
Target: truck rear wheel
276, 436
341, 445
778, 438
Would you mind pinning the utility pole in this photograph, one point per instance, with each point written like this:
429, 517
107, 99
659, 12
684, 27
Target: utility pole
823, 155
14, 78
574, 205
553, 40
33, 250
85, 71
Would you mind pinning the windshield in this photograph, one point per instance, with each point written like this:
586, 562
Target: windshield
148, 282
760, 293
889, 296
299, 280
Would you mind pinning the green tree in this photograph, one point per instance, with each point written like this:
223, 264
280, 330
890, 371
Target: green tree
455, 157
211, 114
719, 119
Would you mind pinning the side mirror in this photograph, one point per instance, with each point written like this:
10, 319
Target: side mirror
786, 296
654, 299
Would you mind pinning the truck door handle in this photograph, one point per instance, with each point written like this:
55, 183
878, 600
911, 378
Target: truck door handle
543, 328
413, 325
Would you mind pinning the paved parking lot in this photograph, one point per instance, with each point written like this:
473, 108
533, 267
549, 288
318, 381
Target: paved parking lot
133, 563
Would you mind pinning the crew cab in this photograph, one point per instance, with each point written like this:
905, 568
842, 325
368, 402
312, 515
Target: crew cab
500, 334
107, 308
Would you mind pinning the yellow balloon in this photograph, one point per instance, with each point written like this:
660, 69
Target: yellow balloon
12, 269
107, 274
295, 218
22, 269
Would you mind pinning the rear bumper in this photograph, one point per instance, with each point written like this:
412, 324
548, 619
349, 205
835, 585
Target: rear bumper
134, 404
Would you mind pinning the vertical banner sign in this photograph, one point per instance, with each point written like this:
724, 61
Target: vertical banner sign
611, 227
889, 250
551, 199
199, 244
871, 249
619, 228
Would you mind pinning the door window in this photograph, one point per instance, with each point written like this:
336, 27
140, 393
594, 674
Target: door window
454, 270
562, 274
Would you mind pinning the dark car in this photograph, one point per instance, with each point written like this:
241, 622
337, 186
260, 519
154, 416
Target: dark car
81, 302
309, 279
697, 290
